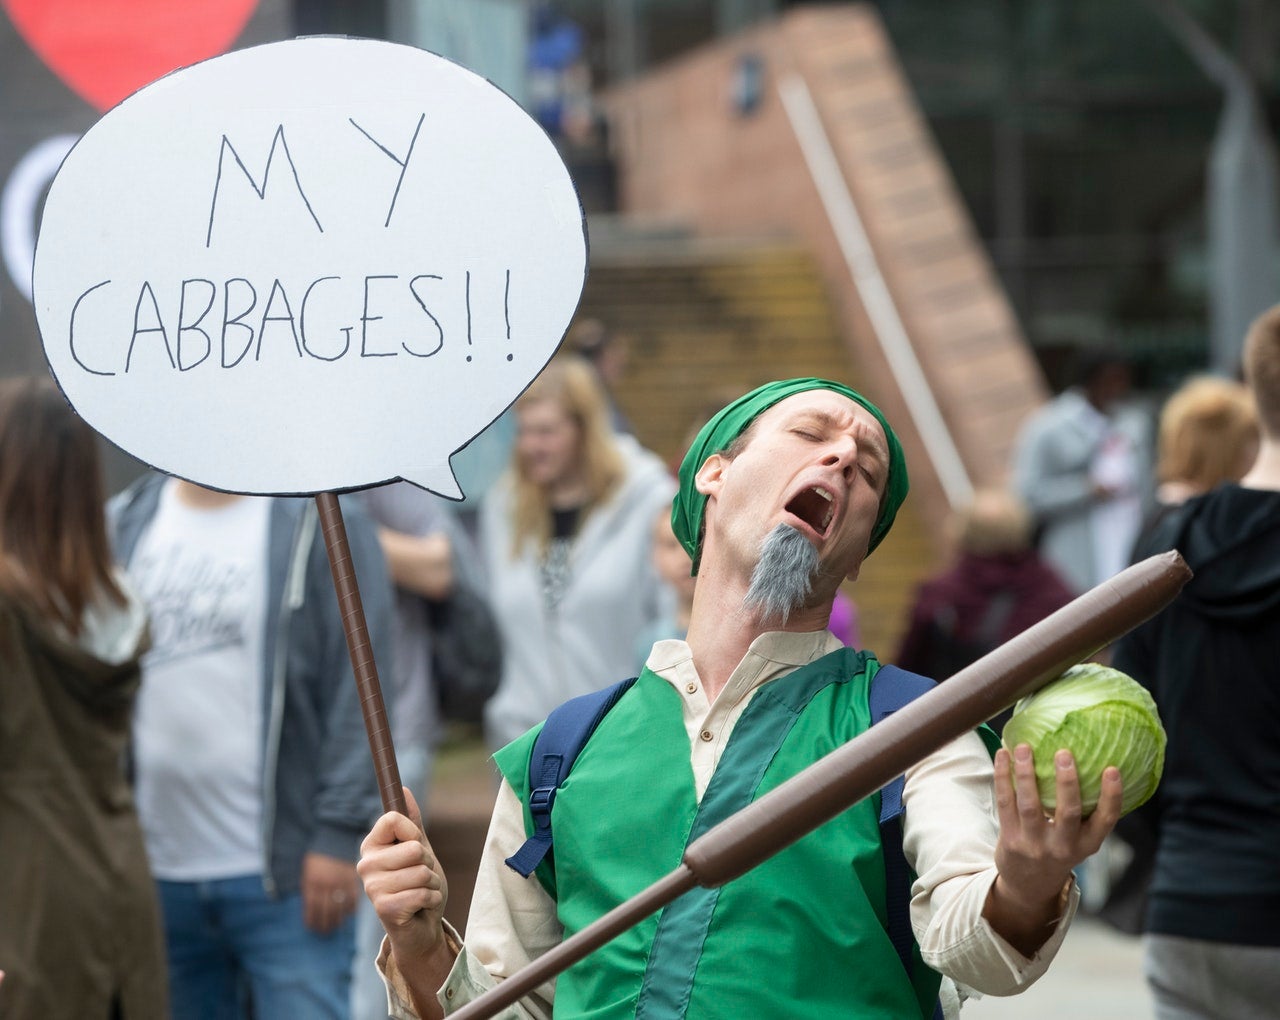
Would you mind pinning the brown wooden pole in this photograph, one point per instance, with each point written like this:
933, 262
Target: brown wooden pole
997, 680
571, 950
863, 765
356, 630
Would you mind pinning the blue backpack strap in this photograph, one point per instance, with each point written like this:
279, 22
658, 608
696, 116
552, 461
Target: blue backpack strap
891, 689
555, 749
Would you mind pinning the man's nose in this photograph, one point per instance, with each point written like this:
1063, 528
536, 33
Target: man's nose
842, 453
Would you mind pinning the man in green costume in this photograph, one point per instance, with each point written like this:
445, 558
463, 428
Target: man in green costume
782, 496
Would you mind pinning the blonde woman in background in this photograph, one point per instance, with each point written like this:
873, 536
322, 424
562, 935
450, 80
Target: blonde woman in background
566, 536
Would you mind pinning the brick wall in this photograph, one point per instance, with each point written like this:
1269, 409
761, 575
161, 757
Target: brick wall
686, 156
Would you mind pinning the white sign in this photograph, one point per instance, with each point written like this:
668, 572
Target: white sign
308, 266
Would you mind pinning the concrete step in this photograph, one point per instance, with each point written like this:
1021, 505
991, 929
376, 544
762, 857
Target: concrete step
463, 787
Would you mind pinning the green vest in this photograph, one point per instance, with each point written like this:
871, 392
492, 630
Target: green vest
803, 934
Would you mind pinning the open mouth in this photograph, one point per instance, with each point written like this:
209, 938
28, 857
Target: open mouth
814, 506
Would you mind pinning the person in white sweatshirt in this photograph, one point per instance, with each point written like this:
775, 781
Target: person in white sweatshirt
566, 537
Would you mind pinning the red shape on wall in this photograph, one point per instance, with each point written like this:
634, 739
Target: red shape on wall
105, 50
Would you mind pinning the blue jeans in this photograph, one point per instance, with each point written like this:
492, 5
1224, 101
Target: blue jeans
235, 953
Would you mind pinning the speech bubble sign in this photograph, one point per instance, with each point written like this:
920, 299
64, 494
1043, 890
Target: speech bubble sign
308, 266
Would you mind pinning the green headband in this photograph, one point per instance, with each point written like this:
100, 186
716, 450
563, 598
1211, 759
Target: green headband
728, 424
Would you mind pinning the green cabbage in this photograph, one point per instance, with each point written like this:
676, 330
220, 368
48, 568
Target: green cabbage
1103, 717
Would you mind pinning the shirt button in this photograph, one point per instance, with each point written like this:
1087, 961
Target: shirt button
692, 688
448, 993
707, 735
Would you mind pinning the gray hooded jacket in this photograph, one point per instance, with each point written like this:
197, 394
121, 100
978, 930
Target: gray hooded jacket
319, 789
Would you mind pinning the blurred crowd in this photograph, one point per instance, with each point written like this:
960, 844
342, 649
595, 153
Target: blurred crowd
184, 776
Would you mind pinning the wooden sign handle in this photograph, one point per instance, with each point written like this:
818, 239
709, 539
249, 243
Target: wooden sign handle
356, 630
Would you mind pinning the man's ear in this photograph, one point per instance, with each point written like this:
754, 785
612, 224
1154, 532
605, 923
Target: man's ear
707, 480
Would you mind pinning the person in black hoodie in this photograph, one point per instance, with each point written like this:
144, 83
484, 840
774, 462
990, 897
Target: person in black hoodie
1209, 660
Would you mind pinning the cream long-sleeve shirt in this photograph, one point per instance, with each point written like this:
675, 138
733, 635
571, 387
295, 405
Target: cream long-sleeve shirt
949, 838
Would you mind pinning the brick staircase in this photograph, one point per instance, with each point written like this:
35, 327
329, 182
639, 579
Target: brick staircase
708, 320
459, 803
838, 156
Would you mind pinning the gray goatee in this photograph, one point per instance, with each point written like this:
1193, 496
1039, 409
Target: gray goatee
783, 578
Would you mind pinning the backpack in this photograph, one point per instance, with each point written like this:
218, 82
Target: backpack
946, 653
466, 654
570, 726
